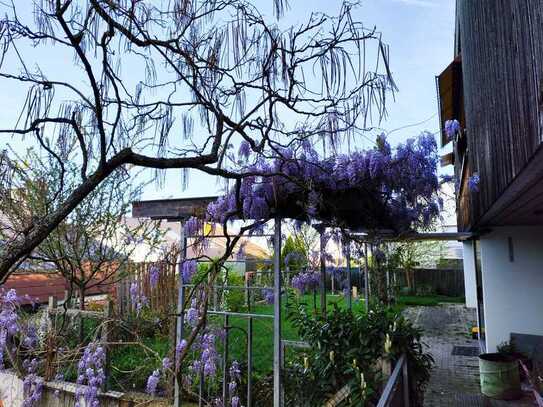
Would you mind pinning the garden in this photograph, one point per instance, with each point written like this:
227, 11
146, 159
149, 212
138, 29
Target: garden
276, 115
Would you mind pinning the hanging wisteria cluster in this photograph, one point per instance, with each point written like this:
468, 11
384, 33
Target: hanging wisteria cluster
306, 281
90, 375
154, 275
235, 378
9, 319
452, 129
188, 269
376, 188
138, 299
32, 384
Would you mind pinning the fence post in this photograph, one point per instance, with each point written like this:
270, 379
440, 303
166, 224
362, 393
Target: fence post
52, 303
51, 308
322, 270
349, 280
366, 278
105, 337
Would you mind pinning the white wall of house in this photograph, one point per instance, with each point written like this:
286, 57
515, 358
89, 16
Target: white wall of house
512, 289
470, 284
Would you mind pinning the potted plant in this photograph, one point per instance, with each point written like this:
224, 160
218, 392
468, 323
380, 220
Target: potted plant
500, 373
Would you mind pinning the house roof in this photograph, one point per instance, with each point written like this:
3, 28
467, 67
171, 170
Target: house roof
37, 287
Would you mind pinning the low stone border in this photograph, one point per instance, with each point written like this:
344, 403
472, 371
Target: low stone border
11, 394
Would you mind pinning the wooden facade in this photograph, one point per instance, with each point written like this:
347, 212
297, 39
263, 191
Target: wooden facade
500, 45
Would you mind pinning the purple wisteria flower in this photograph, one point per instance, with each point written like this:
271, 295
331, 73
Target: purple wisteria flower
152, 382
32, 384
235, 371
306, 281
208, 356
192, 314
235, 377
154, 274
192, 226
166, 364
267, 293
179, 348
451, 128
388, 183
188, 269
91, 375
240, 255
473, 182
244, 150
9, 319
138, 299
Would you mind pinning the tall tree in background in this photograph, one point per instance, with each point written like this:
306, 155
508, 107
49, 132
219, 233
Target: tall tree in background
93, 245
411, 255
175, 84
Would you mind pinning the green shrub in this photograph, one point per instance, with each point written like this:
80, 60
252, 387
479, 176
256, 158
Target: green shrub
235, 297
345, 345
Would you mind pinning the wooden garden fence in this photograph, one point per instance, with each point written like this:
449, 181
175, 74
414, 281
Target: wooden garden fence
448, 282
161, 298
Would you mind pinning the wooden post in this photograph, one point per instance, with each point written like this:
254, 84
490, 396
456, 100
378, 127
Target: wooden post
366, 278
323, 271
105, 339
52, 303
51, 309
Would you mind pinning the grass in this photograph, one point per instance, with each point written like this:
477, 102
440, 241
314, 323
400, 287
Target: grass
131, 365
263, 331
427, 300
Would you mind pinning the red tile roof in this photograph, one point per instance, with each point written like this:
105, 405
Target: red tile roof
38, 287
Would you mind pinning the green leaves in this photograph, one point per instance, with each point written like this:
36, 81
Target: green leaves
345, 349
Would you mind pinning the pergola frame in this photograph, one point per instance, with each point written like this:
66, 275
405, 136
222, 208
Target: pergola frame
182, 209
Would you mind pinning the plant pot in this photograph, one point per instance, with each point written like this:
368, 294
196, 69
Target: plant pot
499, 374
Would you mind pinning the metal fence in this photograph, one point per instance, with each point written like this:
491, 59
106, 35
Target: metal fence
396, 391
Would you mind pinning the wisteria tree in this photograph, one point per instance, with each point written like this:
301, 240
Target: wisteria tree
176, 84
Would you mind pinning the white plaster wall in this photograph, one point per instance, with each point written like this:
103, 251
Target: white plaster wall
512, 290
11, 390
470, 284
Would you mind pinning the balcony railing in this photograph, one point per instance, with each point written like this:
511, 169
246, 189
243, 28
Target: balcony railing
396, 391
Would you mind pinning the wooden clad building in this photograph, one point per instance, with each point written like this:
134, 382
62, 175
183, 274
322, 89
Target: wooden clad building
494, 87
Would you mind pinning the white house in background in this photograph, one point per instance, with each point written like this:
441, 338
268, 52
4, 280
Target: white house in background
494, 88
253, 249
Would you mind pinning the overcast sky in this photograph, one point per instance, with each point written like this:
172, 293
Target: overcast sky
420, 34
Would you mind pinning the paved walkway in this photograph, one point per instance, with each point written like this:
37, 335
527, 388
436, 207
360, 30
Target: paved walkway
455, 379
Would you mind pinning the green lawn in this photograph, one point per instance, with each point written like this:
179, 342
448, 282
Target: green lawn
428, 300
263, 331
132, 365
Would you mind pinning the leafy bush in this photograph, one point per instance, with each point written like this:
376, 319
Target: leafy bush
235, 297
345, 350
